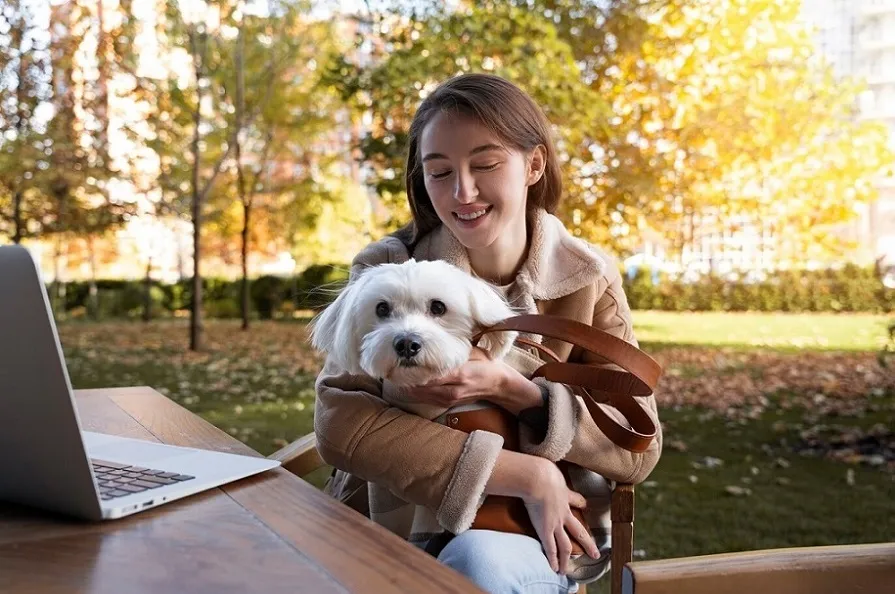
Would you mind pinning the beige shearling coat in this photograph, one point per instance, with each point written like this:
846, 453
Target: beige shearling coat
425, 477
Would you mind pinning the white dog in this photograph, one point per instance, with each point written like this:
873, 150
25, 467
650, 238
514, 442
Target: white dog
411, 323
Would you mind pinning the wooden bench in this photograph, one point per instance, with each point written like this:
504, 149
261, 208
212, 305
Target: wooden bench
841, 569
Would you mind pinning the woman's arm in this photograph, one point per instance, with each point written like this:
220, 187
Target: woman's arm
418, 460
520, 393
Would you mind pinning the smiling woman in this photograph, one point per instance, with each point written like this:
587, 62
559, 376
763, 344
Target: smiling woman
483, 183
479, 188
480, 158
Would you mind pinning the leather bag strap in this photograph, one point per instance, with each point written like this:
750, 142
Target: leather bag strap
595, 384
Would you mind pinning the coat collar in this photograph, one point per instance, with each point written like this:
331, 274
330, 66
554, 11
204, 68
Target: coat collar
558, 263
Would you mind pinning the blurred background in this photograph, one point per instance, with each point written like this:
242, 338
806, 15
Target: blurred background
194, 178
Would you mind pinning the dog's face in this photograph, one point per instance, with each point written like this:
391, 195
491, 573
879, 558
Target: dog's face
411, 322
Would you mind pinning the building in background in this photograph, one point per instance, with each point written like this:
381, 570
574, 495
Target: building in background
858, 38
163, 244
875, 25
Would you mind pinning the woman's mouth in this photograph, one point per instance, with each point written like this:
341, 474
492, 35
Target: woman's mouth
472, 218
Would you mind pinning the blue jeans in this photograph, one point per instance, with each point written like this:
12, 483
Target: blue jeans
504, 563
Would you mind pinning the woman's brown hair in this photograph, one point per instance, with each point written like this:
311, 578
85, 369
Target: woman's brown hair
508, 112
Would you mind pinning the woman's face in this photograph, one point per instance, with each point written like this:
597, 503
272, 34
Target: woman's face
477, 185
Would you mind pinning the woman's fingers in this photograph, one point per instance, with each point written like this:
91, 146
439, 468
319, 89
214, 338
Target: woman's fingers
549, 542
563, 549
441, 395
445, 380
577, 500
582, 535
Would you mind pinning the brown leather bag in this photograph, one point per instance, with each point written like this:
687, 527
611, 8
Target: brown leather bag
498, 512
637, 376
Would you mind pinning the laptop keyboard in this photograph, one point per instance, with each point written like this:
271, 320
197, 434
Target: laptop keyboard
117, 480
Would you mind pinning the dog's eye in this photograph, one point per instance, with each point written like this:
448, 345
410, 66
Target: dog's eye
438, 308
383, 309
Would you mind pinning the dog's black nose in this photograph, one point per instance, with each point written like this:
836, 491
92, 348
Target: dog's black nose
407, 345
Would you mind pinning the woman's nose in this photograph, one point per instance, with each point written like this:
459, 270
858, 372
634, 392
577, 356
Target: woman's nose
464, 187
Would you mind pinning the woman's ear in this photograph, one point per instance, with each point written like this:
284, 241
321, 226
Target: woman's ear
537, 163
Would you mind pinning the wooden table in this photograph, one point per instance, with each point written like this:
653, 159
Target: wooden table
269, 533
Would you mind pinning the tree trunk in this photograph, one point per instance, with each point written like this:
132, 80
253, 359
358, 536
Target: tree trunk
196, 306
147, 292
58, 287
19, 193
92, 301
177, 238
246, 218
18, 224
102, 108
240, 178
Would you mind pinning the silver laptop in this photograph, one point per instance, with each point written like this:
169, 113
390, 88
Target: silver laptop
46, 461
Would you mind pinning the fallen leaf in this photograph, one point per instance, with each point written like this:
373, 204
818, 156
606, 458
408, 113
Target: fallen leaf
708, 462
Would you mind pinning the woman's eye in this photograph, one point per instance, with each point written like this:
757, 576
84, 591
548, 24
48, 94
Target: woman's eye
438, 308
491, 167
383, 309
439, 174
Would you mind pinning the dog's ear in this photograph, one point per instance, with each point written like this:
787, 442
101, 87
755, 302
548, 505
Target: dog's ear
488, 308
333, 330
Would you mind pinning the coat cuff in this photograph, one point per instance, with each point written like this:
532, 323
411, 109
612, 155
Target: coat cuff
466, 491
562, 421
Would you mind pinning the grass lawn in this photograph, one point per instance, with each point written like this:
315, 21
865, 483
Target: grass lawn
844, 332
259, 387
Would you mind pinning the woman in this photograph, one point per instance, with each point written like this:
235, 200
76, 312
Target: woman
483, 183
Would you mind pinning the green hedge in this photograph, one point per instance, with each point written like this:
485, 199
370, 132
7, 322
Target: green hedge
849, 289
270, 296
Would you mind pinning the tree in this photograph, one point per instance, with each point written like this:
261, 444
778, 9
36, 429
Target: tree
667, 112
24, 86
186, 129
73, 167
282, 111
52, 172
221, 143
722, 112
412, 52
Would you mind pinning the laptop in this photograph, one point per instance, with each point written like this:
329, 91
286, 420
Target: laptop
46, 460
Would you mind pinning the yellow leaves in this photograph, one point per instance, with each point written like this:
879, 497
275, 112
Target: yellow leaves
751, 120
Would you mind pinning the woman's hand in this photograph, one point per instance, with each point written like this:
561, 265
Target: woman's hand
480, 378
550, 507
542, 487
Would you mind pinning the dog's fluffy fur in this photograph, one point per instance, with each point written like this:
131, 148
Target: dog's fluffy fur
359, 339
